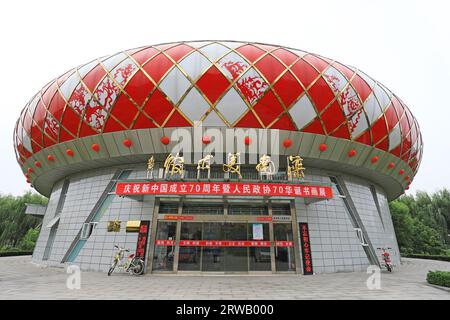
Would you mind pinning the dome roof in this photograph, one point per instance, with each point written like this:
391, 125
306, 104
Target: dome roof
228, 84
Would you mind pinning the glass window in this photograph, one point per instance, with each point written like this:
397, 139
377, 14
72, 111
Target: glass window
200, 208
248, 210
168, 207
189, 257
281, 209
259, 257
165, 249
284, 255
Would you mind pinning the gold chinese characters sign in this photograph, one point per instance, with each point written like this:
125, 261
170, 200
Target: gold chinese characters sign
295, 168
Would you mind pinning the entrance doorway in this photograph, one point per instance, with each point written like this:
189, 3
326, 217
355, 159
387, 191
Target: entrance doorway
222, 238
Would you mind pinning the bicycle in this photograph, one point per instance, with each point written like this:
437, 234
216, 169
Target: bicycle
386, 258
134, 265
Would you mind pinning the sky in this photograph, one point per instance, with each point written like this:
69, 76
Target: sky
403, 44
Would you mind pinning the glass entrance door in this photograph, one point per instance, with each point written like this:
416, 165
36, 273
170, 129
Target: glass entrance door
284, 247
236, 241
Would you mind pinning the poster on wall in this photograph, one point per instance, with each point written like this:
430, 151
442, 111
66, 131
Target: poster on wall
141, 247
258, 233
306, 249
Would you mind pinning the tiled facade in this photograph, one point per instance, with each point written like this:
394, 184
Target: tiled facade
334, 243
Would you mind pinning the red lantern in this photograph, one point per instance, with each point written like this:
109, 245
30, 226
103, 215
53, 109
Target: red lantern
37, 164
30, 170
50, 158
206, 140
323, 147
69, 152
374, 159
27, 175
127, 143
352, 153
401, 171
407, 178
247, 140
165, 140
287, 143
391, 165
95, 147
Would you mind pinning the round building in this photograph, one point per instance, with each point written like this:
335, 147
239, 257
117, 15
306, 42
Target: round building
217, 156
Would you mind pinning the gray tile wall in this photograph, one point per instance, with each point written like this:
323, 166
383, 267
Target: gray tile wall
335, 246
379, 229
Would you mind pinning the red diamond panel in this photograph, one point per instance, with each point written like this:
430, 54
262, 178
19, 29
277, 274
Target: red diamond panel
321, 94
391, 117
142, 56
177, 120
248, 121
361, 87
304, 72
139, 87
158, 107
268, 108
314, 127
178, 52
251, 53
92, 79
288, 88
143, 122
284, 123
124, 110
318, 63
365, 138
332, 117
157, 67
270, 67
285, 56
342, 132
379, 130
213, 84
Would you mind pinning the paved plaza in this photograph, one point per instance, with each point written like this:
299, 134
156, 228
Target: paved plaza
20, 279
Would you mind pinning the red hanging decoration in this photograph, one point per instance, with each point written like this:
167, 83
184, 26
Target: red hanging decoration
352, 153
401, 171
50, 158
407, 178
69, 152
95, 147
206, 140
323, 147
287, 143
165, 140
247, 140
30, 170
391, 165
374, 159
37, 164
127, 143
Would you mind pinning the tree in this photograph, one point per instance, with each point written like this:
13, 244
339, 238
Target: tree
14, 223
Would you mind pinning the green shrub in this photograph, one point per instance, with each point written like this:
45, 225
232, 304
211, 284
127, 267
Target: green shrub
439, 278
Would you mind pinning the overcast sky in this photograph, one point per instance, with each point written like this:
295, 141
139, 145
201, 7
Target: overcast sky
403, 44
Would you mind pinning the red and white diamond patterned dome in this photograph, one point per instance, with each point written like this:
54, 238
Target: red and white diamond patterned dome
230, 84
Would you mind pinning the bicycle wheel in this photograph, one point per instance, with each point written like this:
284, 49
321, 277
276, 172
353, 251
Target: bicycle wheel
138, 267
113, 266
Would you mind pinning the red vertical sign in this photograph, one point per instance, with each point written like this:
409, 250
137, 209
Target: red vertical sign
306, 249
141, 246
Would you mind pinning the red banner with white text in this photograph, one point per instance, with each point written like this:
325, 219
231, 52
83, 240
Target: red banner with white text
224, 188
